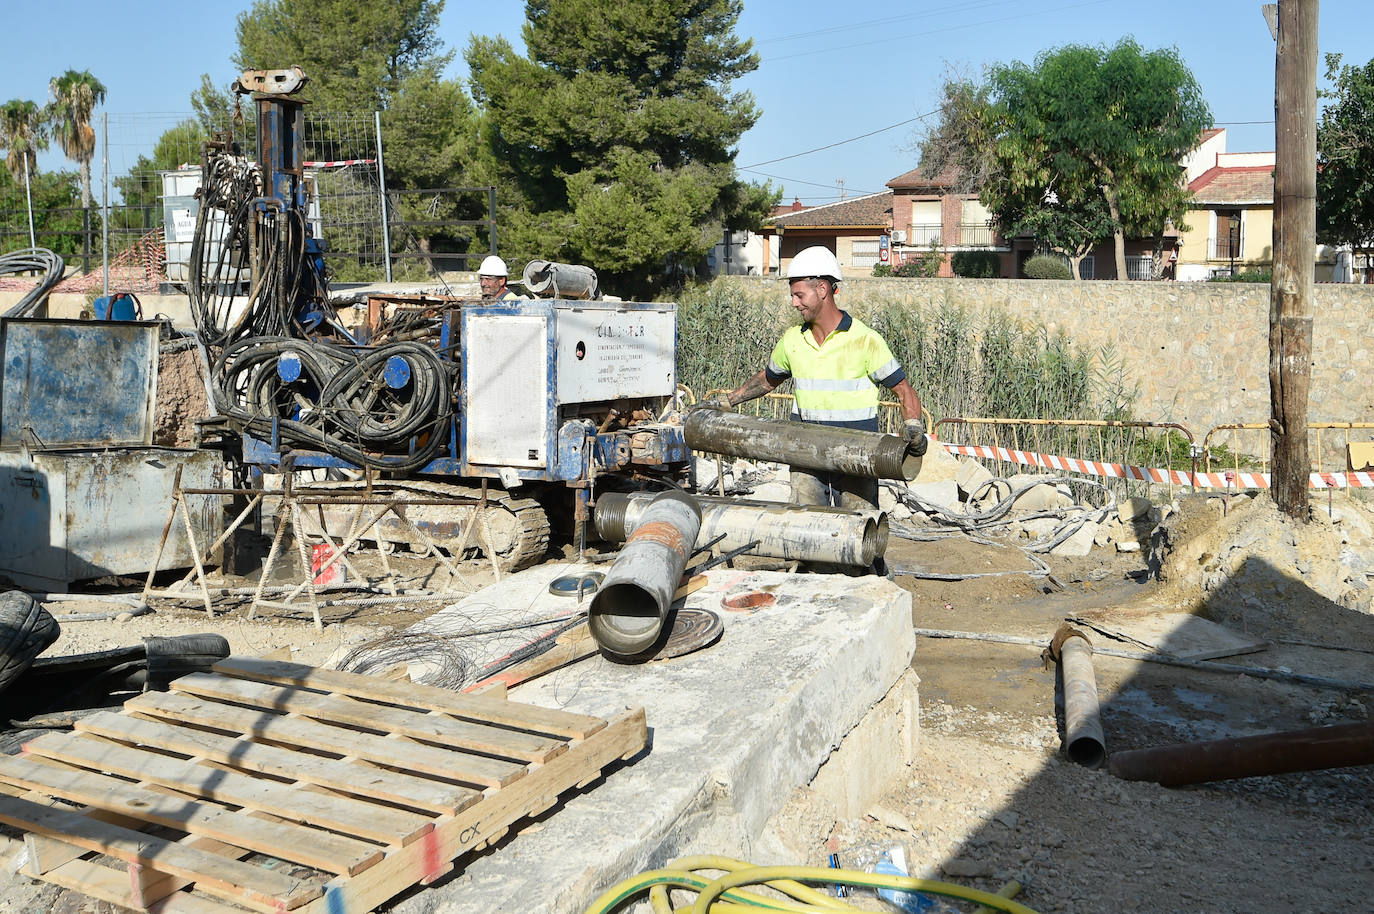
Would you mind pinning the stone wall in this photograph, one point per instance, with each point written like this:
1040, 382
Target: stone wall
1198, 351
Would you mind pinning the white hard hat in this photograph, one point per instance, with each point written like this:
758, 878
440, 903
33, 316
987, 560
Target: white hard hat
492, 266
816, 260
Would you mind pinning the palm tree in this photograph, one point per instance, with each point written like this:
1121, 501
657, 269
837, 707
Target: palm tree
22, 135
74, 97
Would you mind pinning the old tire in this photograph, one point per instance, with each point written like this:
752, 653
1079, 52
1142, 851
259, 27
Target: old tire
26, 630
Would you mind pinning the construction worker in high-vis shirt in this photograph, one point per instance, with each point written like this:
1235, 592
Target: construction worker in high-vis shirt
836, 363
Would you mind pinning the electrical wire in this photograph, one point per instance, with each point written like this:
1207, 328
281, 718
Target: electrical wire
32, 260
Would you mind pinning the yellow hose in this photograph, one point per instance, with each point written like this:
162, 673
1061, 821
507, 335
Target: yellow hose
722, 895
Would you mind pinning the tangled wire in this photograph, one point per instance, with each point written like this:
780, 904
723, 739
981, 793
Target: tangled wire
340, 400
974, 526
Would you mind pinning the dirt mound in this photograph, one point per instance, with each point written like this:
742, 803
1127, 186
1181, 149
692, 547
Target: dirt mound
1244, 561
181, 399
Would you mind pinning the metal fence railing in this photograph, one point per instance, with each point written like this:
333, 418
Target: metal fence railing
1225, 441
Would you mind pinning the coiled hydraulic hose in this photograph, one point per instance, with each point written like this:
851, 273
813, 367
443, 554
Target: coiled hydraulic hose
341, 403
722, 894
32, 260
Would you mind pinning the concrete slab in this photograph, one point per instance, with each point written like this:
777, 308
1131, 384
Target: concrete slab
734, 729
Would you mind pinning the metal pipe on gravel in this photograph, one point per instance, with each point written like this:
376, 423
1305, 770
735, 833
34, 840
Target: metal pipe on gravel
1312, 749
627, 613
800, 444
1083, 738
794, 532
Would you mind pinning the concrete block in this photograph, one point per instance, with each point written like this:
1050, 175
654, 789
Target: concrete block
773, 491
1132, 508
1081, 543
1040, 527
1037, 498
938, 464
944, 492
972, 475
736, 728
1127, 546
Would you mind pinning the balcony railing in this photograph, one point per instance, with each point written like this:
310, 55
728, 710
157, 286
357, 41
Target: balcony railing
926, 233
978, 234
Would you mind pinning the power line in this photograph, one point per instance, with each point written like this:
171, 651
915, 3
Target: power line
926, 32
868, 23
800, 181
862, 136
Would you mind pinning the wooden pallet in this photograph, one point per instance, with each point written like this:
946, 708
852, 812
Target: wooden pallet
269, 786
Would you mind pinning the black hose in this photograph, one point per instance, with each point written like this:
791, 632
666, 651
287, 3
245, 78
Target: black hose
32, 260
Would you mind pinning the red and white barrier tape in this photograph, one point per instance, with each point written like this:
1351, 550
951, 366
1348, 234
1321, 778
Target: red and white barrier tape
1227, 479
339, 163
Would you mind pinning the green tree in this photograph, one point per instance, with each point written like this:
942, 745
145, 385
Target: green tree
141, 188
613, 139
1083, 123
1070, 227
74, 97
355, 53
56, 219
1345, 158
22, 135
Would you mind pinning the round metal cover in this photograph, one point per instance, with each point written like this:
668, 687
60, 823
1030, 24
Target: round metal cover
692, 630
575, 585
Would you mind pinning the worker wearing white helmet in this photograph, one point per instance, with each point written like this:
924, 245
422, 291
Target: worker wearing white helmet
491, 276
836, 363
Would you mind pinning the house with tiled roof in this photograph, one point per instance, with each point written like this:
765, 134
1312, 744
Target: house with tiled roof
931, 212
853, 229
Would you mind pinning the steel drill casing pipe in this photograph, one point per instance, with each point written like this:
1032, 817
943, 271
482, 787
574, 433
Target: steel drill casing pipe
801, 444
1313, 749
793, 532
1082, 716
627, 614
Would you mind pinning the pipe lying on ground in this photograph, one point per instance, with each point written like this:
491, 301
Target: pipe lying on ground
627, 613
800, 444
1083, 739
1312, 749
805, 533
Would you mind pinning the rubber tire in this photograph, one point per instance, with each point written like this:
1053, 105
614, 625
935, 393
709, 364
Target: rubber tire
26, 630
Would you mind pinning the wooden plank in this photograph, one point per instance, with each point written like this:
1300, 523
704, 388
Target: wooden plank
341, 814
114, 886
623, 737
489, 707
309, 734
1175, 634
259, 888
434, 728
319, 849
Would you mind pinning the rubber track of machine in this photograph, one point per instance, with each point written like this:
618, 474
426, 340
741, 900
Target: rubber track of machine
532, 537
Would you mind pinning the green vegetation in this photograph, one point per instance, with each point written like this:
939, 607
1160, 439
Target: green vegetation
976, 264
1264, 276
1082, 146
1047, 266
1345, 157
612, 138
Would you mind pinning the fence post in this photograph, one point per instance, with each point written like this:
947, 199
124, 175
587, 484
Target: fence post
491, 216
105, 198
85, 239
381, 181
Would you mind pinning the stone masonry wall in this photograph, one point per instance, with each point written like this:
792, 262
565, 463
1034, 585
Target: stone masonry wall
1199, 351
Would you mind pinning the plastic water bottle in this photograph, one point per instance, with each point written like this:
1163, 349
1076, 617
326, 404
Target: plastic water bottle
893, 863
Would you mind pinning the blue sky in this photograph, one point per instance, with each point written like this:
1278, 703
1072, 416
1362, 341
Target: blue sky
829, 71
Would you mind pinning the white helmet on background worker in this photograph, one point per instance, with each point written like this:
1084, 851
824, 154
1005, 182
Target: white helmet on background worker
816, 260
492, 266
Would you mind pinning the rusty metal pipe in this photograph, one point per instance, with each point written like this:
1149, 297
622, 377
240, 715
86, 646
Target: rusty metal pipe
801, 444
1248, 756
1083, 737
627, 613
805, 533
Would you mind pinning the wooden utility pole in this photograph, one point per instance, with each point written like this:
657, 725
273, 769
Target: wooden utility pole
1295, 231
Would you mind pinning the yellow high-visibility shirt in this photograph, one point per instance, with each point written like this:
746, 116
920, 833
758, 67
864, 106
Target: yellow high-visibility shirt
836, 382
